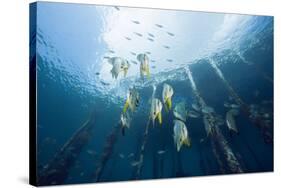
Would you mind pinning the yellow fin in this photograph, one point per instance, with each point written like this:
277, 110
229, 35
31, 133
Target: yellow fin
186, 142
125, 72
126, 106
165, 104
159, 116
169, 103
147, 72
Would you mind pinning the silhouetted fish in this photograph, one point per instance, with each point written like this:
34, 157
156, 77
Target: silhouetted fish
111, 51
195, 107
138, 34
133, 53
116, 7
150, 39
167, 47
171, 34
148, 52
158, 25
130, 155
121, 155
104, 83
160, 152
207, 110
169, 60
193, 114
135, 21
91, 152
152, 61
97, 73
135, 163
154, 67
151, 35
128, 38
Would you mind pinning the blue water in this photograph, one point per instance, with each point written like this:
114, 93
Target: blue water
73, 78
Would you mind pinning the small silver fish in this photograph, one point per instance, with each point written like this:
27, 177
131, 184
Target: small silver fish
91, 152
266, 115
158, 25
104, 83
151, 35
150, 39
234, 106
202, 140
121, 155
195, 107
171, 34
207, 110
193, 114
117, 8
230, 121
226, 104
130, 155
128, 38
135, 21
135, 163
160, 152
167, 47
138, 34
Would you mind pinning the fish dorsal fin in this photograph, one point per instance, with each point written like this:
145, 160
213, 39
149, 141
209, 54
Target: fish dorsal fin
140, 57
126, 105
169, 103
125, 72
187, 142
110, 61
159, 116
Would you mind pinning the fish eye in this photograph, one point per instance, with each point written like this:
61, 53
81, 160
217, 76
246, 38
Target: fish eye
154, 113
